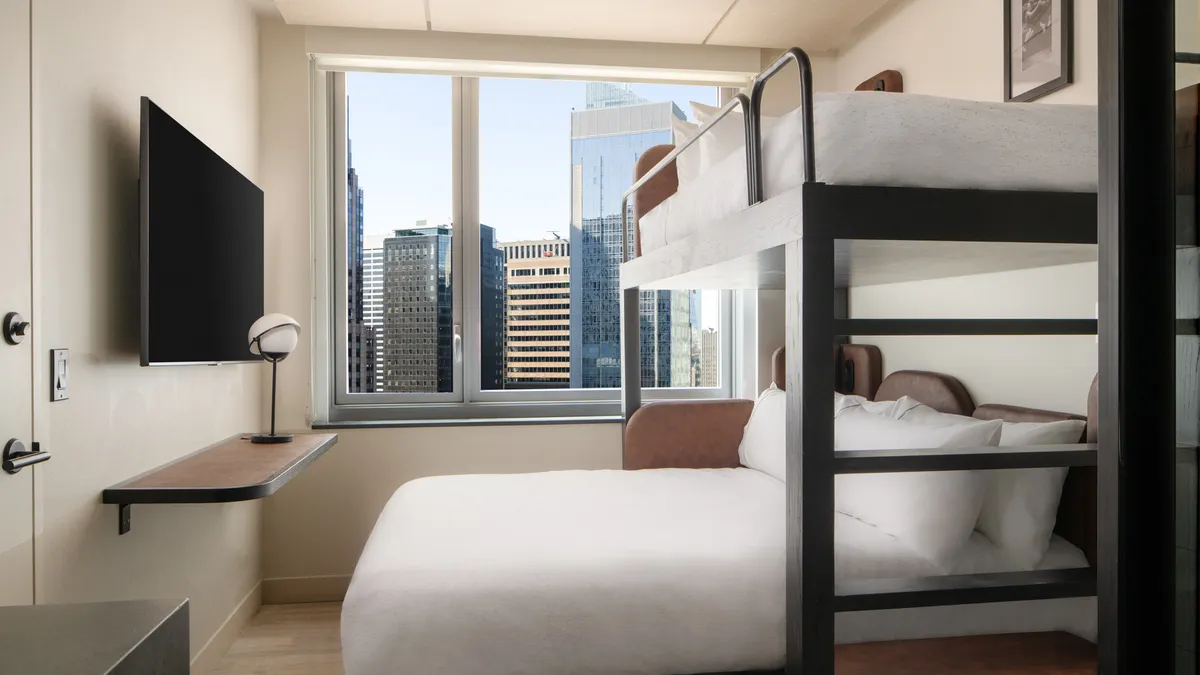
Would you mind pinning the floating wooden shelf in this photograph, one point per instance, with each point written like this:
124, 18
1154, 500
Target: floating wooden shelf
234, 470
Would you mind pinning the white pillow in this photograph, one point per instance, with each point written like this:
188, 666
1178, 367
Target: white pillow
845, 401
727, 136
764, 440
687, 164
934, 512
1021, 505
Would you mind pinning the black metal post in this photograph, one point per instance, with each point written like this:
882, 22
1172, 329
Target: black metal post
1136, 509
274, 375
631, 353
810, 458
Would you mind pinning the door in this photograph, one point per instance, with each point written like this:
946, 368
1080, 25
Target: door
16, 361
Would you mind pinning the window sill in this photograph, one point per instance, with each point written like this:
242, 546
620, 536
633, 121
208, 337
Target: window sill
477, 422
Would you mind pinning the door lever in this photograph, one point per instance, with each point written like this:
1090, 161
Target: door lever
16, 457
14, 328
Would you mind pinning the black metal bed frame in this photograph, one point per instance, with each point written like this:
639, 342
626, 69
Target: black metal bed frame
815, 320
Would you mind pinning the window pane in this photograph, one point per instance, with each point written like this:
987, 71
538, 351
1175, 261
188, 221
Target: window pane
555, 159
399, 256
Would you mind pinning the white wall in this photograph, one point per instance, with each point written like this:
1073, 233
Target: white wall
955, 48
198, 59
1042, 372
782, 92
314, 529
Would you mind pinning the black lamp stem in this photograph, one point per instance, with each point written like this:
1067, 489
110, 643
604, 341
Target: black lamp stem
274, 373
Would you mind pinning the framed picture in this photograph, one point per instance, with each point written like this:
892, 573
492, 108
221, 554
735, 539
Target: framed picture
1039, 39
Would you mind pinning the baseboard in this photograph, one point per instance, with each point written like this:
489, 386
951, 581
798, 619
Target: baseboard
293, 590
210, 655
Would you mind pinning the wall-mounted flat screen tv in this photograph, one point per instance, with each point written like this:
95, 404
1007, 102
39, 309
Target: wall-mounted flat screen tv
201, 249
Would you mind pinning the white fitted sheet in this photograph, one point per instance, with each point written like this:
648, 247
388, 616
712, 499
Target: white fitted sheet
620, 572
904, 140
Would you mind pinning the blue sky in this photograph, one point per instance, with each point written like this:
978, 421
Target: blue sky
400, 134
400, 130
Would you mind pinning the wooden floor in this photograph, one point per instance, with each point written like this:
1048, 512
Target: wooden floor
288, 640
304, 640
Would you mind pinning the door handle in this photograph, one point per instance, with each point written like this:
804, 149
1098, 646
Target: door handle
16, 457
14, 328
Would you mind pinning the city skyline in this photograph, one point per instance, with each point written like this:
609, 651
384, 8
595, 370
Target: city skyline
401, 299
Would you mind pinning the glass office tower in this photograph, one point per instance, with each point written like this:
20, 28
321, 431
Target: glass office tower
418, 301
491, 309
606, 140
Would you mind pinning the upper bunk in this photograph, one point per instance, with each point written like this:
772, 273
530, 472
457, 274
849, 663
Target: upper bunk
907, 188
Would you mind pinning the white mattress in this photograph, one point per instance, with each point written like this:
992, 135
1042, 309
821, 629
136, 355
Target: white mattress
619, 573
905, 140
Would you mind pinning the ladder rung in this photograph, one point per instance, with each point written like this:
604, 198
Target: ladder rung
964, 459
844, 327
963, 589
1186, 57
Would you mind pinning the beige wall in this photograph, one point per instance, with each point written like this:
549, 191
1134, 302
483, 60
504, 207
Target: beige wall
956, 48
782, 92
1041, 372
318, 524
315, 527
92, 61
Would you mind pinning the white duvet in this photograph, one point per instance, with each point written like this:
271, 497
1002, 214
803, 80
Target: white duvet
903, 140
620, 572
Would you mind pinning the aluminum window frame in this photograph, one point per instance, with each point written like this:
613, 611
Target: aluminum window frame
468, 402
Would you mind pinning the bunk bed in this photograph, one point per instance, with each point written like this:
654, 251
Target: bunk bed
814, 241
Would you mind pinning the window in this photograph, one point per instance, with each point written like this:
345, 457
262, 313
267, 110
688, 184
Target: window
437, 327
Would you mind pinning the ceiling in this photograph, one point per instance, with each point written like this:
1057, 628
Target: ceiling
815, 25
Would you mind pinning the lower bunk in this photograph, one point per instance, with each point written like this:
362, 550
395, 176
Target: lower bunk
680, 568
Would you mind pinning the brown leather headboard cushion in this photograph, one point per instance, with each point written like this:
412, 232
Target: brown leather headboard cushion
656, 191
888, 80
941, 392
1077, 509
859, 369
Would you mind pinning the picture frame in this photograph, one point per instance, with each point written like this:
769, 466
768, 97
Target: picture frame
1039, 48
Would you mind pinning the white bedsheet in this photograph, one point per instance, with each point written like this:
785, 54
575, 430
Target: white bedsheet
609, 572
905, 140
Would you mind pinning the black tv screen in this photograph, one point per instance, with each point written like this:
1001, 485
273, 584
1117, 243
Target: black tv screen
201, 249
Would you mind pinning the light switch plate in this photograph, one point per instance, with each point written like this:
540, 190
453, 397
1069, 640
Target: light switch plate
60, 372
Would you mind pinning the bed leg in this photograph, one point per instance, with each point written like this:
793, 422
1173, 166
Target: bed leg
810, 384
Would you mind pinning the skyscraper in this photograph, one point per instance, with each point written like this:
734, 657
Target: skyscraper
710, 358
418, 331
666, 331
491, 310
373, 298
360, 341
606, 140
538, 311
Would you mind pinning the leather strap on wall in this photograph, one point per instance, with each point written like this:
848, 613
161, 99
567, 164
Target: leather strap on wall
889, 80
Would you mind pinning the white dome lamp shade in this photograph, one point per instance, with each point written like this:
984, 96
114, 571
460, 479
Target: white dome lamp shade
273, 337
